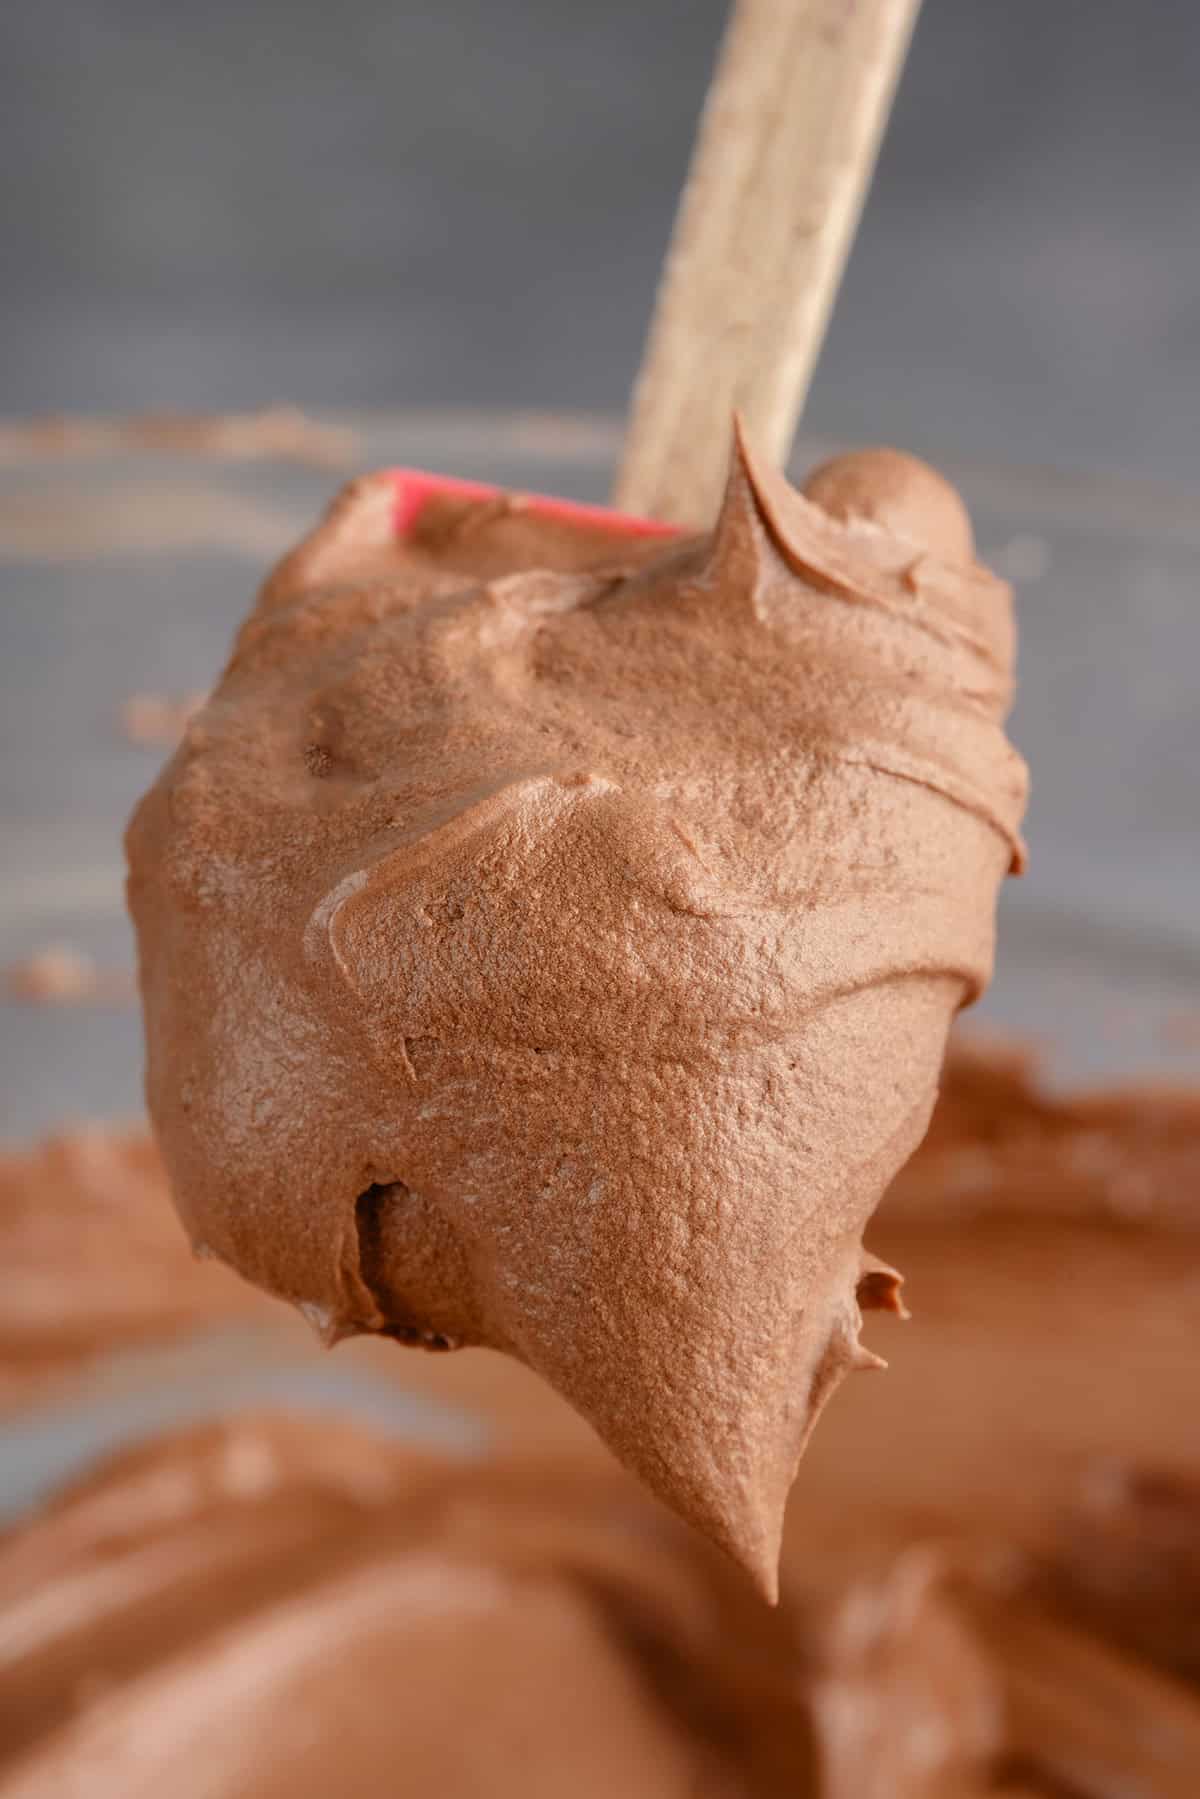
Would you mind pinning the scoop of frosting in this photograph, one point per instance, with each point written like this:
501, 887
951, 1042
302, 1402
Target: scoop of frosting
549, 935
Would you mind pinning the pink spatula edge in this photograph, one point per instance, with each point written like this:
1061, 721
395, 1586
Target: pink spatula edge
416, 488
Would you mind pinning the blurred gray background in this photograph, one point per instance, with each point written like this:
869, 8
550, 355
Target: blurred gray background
465, 203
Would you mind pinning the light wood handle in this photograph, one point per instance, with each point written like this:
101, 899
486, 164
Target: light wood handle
782, 161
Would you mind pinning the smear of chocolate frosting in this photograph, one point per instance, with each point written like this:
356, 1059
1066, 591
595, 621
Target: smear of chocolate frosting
265, 1607
1000, 1144
990, 1584
270, 1607
548, 941
278, 433
92, 1260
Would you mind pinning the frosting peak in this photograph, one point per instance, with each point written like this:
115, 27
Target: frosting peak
549, 936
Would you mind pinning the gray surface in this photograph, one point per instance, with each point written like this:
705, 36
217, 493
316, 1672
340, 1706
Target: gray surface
465, 203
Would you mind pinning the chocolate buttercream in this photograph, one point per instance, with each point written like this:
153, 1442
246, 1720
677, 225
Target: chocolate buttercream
1001, 1144
266, 1606
548, 941
1041, 1402
92, 1260
269, 1606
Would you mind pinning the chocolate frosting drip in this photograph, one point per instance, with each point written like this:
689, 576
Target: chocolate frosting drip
548, 941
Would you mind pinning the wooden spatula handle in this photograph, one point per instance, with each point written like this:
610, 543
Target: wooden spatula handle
783, 158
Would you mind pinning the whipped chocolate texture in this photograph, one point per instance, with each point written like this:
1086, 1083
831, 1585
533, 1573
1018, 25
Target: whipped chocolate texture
990, 1583
270, 1607
92, 1262
1051, 1250
549, 933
